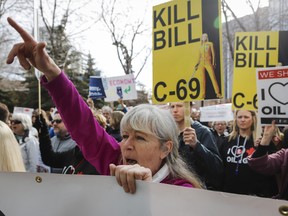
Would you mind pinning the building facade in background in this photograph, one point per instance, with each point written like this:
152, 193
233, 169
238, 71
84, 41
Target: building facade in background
271, 18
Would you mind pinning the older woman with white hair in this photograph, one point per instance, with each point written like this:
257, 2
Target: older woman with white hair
149, 149
10, 155
21, 125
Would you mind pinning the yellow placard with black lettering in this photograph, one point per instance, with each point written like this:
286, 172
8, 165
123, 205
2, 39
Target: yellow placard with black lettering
252, 50
187, 51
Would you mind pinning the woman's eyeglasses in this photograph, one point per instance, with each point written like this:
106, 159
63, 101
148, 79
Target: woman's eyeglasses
57, 121
16, 122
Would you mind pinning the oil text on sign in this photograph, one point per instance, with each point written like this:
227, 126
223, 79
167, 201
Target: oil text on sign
170, 16
249, 57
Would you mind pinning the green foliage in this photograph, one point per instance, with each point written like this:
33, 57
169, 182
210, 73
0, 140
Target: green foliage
90, 69
31, 95
6, 99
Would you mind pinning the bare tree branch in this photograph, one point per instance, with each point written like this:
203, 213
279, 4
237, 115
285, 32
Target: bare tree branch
234, 16
119, 35
228, 34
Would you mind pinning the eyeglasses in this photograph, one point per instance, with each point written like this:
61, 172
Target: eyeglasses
57, 121
16, 122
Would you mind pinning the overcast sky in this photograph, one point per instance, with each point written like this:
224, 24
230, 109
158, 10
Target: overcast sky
100, 45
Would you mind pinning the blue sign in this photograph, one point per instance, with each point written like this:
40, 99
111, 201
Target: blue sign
96, 89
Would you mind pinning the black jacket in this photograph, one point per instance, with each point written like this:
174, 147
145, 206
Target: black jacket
204, 158
239, 178
72, 161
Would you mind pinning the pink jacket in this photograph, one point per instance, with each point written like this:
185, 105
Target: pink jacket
98, 147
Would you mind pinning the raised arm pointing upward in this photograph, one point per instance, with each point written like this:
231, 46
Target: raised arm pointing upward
31, 52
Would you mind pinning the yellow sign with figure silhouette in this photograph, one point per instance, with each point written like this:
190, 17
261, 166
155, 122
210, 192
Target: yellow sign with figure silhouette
254, 50
187, 51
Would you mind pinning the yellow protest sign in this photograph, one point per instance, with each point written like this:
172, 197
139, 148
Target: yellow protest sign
255, 50
187, 51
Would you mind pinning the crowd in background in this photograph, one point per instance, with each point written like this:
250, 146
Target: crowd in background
143, 143
220, 159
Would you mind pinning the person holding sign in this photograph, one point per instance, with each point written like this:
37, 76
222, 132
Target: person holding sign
239, 178
69, 162
271, 164
149, 149
206, 62
198, 148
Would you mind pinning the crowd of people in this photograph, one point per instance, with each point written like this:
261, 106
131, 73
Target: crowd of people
143, 143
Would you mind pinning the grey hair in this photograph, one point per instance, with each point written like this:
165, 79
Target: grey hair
25, 120
151, 120
214, 122
107, 108
160, 123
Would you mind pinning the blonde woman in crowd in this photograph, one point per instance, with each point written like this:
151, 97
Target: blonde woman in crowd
100, 118
236, 148
10, 154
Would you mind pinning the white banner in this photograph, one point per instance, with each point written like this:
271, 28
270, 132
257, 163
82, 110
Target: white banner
272, 89
24, 110
65, 195
220, 112
119, 87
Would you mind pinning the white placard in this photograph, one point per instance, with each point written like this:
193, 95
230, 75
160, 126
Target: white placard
24, 110
220, 112
120, 87
65, 195
272, 92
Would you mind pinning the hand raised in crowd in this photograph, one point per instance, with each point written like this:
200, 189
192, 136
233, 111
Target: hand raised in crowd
31, 52
190, 137
257, 141
269, 132
41, 126
126, 175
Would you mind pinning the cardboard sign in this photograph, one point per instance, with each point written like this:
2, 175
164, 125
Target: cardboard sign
120, 87
221, 112
255, 50
96, 89
187, 52
272, 86
66, 195
25, 110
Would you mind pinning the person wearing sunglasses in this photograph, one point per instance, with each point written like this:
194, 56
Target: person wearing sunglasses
62, 140
21, 125
70, 162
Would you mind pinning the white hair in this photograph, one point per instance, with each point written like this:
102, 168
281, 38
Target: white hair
25, 120
160, 123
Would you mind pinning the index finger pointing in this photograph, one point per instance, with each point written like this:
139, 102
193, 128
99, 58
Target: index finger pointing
24, 34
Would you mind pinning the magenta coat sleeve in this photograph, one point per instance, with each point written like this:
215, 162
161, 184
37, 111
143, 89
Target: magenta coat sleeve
268, 164
99, 148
